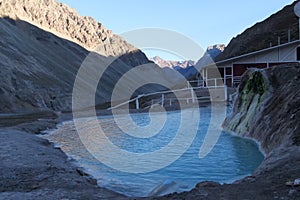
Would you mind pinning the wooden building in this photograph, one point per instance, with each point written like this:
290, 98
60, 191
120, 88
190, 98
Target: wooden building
231, 70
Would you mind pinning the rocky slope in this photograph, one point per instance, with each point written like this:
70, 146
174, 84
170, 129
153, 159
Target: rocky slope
267, 110
263, 33
65, 22
38, 68
268, 107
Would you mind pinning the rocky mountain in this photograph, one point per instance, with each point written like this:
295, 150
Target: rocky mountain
264, 34
171, 64
209, 56
42, 47
66, 23
215, 50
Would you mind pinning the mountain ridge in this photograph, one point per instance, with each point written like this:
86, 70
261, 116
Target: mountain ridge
65, 22
171, 63
264, 34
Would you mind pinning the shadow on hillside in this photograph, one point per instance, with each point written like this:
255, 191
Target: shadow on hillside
39, 69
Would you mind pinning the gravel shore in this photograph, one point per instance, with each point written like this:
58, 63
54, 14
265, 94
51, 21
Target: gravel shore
31, 168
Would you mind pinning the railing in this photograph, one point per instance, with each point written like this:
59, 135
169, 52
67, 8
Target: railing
189, 92
237, 80
209, 83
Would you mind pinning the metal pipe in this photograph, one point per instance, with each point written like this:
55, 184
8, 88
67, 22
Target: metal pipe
137, 105
192, 94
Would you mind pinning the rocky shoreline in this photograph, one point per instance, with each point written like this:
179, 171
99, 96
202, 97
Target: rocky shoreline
32, 168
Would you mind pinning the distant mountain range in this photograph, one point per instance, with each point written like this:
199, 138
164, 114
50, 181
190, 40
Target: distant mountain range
171, 64
187, 68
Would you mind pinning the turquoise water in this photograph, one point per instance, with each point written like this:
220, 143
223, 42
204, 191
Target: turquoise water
231, 158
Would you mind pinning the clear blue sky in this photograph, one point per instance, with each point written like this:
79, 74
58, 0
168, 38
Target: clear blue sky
207, 22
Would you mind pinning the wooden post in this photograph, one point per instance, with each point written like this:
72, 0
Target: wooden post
232, 74
162, 100
137, 105
216, 83
170, 102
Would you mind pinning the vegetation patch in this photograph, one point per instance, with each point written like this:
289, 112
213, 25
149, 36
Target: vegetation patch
254, 85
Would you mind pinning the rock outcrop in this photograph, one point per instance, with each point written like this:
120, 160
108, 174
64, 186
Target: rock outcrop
264, 34
267, 107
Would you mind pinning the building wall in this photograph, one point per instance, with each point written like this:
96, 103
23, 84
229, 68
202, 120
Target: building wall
239, 69
261, 59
